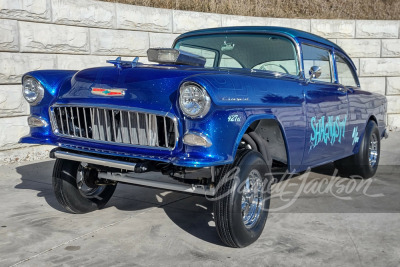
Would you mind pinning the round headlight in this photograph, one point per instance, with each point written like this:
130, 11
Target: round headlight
194, 100
32, 90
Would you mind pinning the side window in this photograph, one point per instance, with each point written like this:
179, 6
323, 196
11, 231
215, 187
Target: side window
345, 72
314, 56
229, 62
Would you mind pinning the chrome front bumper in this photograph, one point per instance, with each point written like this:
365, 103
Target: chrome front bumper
95, 160
155, 179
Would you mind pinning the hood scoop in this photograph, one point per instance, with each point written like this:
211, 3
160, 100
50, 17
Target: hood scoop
124, 64
175, 56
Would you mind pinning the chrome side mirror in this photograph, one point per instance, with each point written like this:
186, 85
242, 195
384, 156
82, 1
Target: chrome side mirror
315, 72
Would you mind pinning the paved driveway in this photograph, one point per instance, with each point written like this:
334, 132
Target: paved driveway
142, 226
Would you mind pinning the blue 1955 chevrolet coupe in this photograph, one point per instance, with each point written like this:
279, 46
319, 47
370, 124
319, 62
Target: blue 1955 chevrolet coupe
211, 116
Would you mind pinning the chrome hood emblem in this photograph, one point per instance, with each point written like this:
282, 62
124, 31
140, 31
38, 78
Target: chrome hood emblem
108, 92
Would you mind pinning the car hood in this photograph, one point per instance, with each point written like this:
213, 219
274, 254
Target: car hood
150, 87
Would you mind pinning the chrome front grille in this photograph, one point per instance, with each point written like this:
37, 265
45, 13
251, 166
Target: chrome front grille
114, 126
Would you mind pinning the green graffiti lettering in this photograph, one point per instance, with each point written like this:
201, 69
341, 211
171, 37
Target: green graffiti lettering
327, 132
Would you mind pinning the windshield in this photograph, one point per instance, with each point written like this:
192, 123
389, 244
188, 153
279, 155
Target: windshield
246, 51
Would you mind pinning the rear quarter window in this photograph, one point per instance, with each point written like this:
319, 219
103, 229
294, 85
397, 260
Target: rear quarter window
345, 72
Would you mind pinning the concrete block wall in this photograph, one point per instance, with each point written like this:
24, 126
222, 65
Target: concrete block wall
69, 34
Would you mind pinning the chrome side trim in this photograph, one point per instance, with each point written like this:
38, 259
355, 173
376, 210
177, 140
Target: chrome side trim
95, 160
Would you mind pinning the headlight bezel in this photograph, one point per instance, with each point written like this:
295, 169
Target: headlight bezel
205, 100
35, 84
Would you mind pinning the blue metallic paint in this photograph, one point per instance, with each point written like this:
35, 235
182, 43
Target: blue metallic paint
249, 95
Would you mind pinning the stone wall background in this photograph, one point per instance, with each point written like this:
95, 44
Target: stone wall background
69, 34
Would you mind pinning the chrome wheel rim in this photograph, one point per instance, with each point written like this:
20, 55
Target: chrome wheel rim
252, 199
373, 150
86, 188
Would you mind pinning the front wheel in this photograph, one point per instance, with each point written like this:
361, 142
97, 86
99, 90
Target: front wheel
75, 187
365, 163
242, 200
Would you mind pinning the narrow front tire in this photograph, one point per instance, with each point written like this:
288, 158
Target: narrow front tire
75, 187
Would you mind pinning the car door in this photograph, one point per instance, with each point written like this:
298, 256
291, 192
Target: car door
358, 102
326, 107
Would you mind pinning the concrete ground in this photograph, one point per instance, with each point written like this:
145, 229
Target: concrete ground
142, 226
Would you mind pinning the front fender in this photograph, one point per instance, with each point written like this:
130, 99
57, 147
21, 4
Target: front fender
249, 98
225, 134
52, 81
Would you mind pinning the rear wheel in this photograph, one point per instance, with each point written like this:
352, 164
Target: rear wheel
76, 188
242, 200
365, 163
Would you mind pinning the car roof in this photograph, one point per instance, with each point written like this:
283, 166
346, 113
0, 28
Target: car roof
293, 33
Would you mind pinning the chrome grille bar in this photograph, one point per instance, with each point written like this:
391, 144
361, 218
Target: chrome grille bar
165, 131
130, 128
115, 126
79, 122
86, 124
72, 121
61, 120
147, 122
92, 120
137, 128
66, 118
107, 135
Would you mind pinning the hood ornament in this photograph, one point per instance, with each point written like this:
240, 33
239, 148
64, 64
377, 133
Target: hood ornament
108, 92
120, 63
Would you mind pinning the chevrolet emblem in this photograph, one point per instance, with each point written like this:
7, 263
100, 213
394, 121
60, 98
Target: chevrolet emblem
108, 92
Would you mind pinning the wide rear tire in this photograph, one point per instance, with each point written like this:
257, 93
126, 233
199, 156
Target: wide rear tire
365, 163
